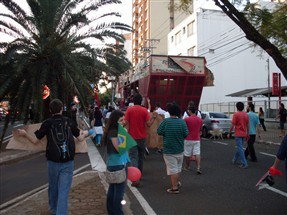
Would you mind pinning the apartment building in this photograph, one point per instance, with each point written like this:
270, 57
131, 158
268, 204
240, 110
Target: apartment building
152, 21
234, 61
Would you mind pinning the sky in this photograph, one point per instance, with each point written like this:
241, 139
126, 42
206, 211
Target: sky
125, 9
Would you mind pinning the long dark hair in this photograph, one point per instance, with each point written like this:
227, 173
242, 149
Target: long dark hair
112, 123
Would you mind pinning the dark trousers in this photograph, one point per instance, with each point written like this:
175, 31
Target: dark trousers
262, 124
137, 154
250, 148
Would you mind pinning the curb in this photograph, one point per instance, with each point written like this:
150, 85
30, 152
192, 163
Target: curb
13, 157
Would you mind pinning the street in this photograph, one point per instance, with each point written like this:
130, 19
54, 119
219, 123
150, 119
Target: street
223, 188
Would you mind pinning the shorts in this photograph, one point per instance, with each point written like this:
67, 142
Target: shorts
191, 147
173, 163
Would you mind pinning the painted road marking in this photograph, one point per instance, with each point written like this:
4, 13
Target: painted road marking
266, 186
222, 143
270, 155
98, 164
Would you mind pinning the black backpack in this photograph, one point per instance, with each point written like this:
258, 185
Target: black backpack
61, 144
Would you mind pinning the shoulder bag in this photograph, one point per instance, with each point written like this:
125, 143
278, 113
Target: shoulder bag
116, 177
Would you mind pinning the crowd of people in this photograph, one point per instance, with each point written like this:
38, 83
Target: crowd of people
181, 141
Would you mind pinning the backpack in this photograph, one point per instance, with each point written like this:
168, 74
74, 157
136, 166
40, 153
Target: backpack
61, 144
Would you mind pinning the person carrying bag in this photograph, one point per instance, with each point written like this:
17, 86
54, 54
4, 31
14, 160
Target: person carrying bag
116, 174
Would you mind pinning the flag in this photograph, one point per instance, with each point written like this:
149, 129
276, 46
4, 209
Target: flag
126, 142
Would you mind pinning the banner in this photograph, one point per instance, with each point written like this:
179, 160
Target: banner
126, 142
22, 143
275, 84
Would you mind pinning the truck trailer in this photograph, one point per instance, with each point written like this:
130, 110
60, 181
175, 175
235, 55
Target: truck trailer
165, 79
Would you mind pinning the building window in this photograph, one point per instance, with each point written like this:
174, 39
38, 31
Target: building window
177, 38
190, 51
190, 28
183, 30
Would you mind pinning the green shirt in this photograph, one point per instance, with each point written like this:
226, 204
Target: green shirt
173, 130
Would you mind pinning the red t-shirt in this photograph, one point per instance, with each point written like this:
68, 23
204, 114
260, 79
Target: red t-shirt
137, 116
240, 120
194, 124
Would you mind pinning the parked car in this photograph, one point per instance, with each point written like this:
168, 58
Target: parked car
215, 120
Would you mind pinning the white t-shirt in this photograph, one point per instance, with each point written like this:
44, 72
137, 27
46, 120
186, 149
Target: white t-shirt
186, 115
166, 115
160, 111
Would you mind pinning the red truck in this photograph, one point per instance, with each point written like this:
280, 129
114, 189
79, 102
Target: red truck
164, 79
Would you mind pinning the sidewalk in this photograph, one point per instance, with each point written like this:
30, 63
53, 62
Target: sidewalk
87, 195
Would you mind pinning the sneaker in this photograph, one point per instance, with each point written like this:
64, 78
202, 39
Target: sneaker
242, 166
198, 171
170, 190
179, 185
146, 151
159, 151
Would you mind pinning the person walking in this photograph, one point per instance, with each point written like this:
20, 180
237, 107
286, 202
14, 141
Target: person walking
240, 123
98, 126
282, 119
115, 161
60, 170
136, 120
186, 113
261, 118
159, 110
173, 130
253, 128
91, 115
192, 141
281, 155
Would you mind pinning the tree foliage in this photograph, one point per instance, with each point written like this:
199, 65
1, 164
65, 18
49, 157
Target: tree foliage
52, 45
272, 24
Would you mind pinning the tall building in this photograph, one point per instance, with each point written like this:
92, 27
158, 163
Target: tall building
152, 20
235, 62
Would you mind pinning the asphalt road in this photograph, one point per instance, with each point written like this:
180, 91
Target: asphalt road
223, 188
21, 177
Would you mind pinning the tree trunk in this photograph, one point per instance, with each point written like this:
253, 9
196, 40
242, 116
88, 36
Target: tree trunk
253, 35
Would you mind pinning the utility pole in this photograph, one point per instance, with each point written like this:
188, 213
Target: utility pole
268, 80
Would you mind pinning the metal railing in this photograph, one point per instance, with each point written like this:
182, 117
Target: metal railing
230, 107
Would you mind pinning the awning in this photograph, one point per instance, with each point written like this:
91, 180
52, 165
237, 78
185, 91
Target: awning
257, 92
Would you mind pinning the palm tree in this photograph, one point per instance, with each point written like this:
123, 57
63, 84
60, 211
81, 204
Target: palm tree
49, 50
52, 45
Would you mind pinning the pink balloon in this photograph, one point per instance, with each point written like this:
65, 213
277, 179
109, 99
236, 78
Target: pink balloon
134, 174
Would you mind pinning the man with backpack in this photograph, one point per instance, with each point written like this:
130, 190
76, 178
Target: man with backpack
60, 153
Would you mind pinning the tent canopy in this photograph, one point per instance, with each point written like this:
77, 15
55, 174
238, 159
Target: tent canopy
257, 92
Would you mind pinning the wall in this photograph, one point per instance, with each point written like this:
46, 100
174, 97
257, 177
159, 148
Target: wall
234, 61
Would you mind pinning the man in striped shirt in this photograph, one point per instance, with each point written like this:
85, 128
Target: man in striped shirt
173, 130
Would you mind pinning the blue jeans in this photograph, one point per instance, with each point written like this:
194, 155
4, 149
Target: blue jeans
136, 154
239, 151
115, 194
60, 181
